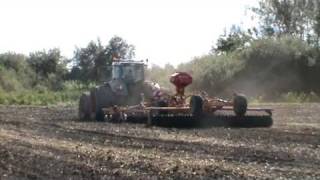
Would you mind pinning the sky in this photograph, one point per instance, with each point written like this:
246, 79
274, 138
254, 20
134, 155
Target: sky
163, 31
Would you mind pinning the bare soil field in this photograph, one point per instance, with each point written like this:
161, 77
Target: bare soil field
49, 143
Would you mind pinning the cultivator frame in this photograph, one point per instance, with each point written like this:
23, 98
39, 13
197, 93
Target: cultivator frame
173, 107
181, 107
210, 109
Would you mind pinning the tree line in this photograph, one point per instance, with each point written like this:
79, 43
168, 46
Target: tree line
279, 55
299, 19
48, 69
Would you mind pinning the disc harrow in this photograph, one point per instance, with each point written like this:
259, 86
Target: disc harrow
192, 110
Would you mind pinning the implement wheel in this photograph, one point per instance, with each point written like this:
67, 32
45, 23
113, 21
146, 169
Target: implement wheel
240, 105
196, 105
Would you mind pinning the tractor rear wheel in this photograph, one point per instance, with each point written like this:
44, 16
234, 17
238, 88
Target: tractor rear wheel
85, 107
240, 105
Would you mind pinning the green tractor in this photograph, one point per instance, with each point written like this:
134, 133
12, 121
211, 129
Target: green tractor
128, 95
124, 89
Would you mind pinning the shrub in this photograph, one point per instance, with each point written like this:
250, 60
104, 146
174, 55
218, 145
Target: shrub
295, 97
268, 67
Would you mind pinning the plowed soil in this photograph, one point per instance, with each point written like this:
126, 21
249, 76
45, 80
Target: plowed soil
49, 143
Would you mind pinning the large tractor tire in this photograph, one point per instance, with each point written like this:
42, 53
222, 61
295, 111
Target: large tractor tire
85, 107
240, 105
104, 98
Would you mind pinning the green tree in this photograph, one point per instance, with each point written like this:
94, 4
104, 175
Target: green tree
47, 62
50, 66
90, 61
119, 48
13, 61
93, 63
15, 73
235, 39
294, 17
316, 27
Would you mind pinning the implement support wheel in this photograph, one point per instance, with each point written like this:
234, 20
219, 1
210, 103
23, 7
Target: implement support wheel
196, 105
240, 105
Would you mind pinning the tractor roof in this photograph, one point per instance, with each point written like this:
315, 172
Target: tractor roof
126, 62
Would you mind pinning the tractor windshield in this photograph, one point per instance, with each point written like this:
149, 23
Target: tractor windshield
129, 72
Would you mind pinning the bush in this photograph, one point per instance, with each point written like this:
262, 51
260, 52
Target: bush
41, 95
294, 97
15, 73
161, 75
39, 98
9, 81
268, 67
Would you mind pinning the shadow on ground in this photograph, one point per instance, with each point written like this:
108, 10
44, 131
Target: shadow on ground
208, 121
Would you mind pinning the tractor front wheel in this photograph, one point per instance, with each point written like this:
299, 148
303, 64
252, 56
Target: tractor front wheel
104, 98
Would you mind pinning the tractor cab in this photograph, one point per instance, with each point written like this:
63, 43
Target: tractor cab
129, 71
126, 74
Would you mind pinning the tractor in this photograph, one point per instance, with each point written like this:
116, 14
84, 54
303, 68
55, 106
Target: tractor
125, 88
128, 96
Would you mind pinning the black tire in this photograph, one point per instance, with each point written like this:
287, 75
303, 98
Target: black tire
240, 105
100, 115
104, 98
117, 118
85, 108
196, 105
162, 104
